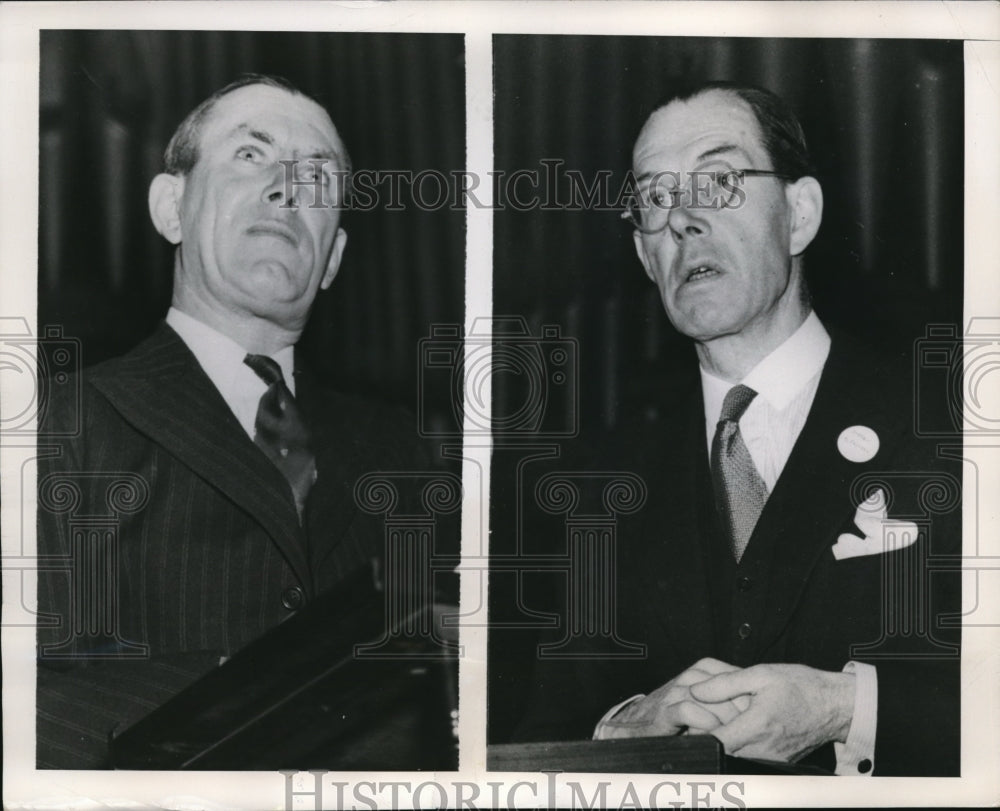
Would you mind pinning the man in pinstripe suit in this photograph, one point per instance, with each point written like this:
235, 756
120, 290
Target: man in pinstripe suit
206, 542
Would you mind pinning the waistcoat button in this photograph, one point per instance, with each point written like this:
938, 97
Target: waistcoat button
292, 598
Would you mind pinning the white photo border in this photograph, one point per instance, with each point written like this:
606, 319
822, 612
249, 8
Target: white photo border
976, 23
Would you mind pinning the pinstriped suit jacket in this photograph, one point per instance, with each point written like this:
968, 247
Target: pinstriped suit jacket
201, 539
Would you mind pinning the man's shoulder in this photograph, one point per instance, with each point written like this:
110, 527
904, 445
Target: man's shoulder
162, 350
159, 351
882, 390
68, 400
879, 373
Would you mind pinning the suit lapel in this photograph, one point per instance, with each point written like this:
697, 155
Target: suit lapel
810, 505
811, 502
162, 391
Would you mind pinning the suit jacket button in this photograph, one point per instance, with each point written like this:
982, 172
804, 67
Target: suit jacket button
745, 584
865, 766
744, 631
292, 598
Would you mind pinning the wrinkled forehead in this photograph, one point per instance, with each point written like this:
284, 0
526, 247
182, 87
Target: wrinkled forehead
293, 123
714, 123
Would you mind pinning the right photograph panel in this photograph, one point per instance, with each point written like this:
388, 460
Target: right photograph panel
726, 484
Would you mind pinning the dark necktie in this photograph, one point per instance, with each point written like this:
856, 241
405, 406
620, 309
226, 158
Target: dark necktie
280, 432
740, 493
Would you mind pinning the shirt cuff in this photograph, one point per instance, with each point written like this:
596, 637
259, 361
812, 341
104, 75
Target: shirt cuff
856, 756
600, 731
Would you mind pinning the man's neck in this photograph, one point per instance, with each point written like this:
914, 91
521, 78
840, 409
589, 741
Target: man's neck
256, 335
732, 357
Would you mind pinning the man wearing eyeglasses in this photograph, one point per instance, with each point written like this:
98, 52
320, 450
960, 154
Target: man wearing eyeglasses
779, 577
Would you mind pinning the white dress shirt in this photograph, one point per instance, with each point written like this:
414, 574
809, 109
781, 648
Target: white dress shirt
222, 360
786, 382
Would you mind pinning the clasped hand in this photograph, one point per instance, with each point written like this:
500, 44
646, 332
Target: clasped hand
773, 711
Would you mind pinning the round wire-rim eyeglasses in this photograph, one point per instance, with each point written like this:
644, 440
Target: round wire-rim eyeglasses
723, 184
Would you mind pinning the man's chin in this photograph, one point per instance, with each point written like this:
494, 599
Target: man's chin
274, 281
702, 325
277, 300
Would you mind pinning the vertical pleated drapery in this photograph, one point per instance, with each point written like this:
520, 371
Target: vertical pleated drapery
110, 101
883, 119
884, 122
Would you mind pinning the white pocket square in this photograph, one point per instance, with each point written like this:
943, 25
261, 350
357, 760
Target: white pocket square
882, 534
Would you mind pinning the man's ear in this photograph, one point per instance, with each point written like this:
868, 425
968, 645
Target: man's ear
339, 243
640, 250
165, 194
805, 199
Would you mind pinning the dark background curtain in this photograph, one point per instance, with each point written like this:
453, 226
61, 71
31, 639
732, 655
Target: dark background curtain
110, 101
884, 122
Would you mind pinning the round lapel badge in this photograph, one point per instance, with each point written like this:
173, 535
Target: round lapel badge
859, 443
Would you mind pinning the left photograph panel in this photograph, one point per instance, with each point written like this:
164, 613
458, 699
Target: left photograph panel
250, 299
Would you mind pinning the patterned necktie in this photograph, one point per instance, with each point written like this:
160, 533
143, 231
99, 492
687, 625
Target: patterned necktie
280, 432
740, 493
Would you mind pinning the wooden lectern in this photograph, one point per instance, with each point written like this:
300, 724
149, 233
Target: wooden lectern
346, 684
676, 754
695, 754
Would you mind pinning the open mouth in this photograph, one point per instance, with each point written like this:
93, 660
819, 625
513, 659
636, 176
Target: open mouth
700, 272
274, 229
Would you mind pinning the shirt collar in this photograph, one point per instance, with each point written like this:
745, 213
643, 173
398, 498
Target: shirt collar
780, 376
221, 357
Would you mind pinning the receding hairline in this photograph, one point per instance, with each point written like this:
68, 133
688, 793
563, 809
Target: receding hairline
778, 128
252, 128
681, 100
183, 150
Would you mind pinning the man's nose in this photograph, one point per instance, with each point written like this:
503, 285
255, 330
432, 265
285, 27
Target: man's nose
280, 188
686, 219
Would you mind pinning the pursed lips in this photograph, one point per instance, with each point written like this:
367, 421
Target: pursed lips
274, 228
